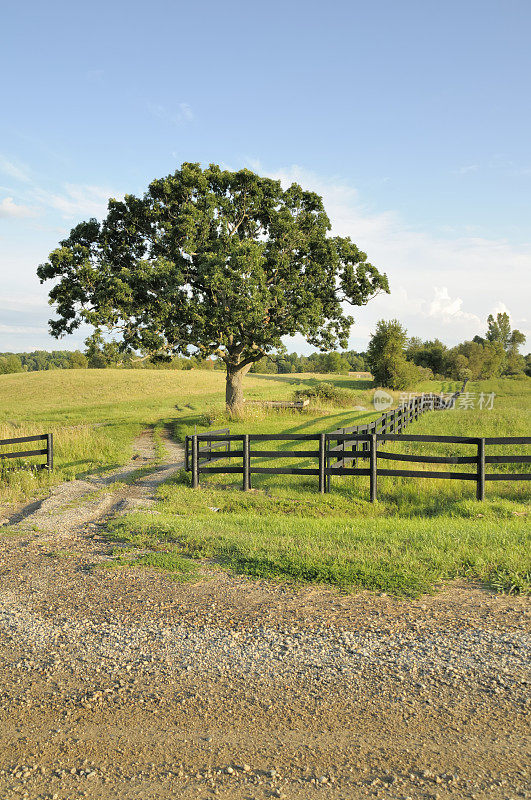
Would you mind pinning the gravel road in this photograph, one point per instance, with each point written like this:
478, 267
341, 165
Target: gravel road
126, 684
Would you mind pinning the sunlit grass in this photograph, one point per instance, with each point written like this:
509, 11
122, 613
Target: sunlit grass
96, 414
419, 534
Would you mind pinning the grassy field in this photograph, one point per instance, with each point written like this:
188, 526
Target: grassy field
419, 534
96, 414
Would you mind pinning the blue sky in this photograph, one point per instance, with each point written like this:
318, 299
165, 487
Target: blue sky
412, 119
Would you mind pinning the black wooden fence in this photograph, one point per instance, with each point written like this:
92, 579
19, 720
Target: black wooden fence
393, 421
208, 451
333, 462
45, 451
337, 453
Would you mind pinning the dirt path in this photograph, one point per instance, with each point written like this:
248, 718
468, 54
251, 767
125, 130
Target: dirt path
75, 504
125, 684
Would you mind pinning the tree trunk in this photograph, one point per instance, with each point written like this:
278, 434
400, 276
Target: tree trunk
234, 388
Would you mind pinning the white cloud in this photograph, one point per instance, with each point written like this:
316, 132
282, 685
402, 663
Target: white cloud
443, 308
22, 329
14, 302
16, 170
501, 308
10, 209
467, 168
177, 115
77, 200
440, 285
186, 112
94, 74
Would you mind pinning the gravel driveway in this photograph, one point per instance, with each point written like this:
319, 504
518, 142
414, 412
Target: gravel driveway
126, 684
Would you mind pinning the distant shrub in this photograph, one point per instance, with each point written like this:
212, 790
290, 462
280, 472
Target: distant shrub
327, 393
406, 375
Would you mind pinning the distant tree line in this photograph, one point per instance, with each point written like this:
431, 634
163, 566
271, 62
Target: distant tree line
399, 362
394, 359
101, 354
333, 362
42, 359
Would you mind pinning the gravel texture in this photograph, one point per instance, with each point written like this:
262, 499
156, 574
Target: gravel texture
126, 684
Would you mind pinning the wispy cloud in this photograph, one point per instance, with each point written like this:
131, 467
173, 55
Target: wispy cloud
10, 209
440, 284
467, 168
16, 170
77, 200
22, 329
499, 164
71, 200
94, 74
26, 302
178, 115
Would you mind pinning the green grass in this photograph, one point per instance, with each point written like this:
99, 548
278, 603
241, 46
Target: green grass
420, 533
389, 554
181, 569
96, 414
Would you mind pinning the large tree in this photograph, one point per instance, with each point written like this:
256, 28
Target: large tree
224, 262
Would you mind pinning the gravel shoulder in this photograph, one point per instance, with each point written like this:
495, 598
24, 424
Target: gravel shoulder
127, 684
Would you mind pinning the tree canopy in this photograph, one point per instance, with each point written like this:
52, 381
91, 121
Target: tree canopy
225, 263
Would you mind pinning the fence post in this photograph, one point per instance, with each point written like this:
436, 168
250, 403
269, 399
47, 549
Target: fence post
480, 494
343, 430
354, 446
195, 462
228, 448
49, 451
328, 462
246, 463
322, 446
373, 468
187, 453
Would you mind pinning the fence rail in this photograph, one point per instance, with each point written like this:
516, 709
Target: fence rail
326, 467
208, 449
46, 451
338, 452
